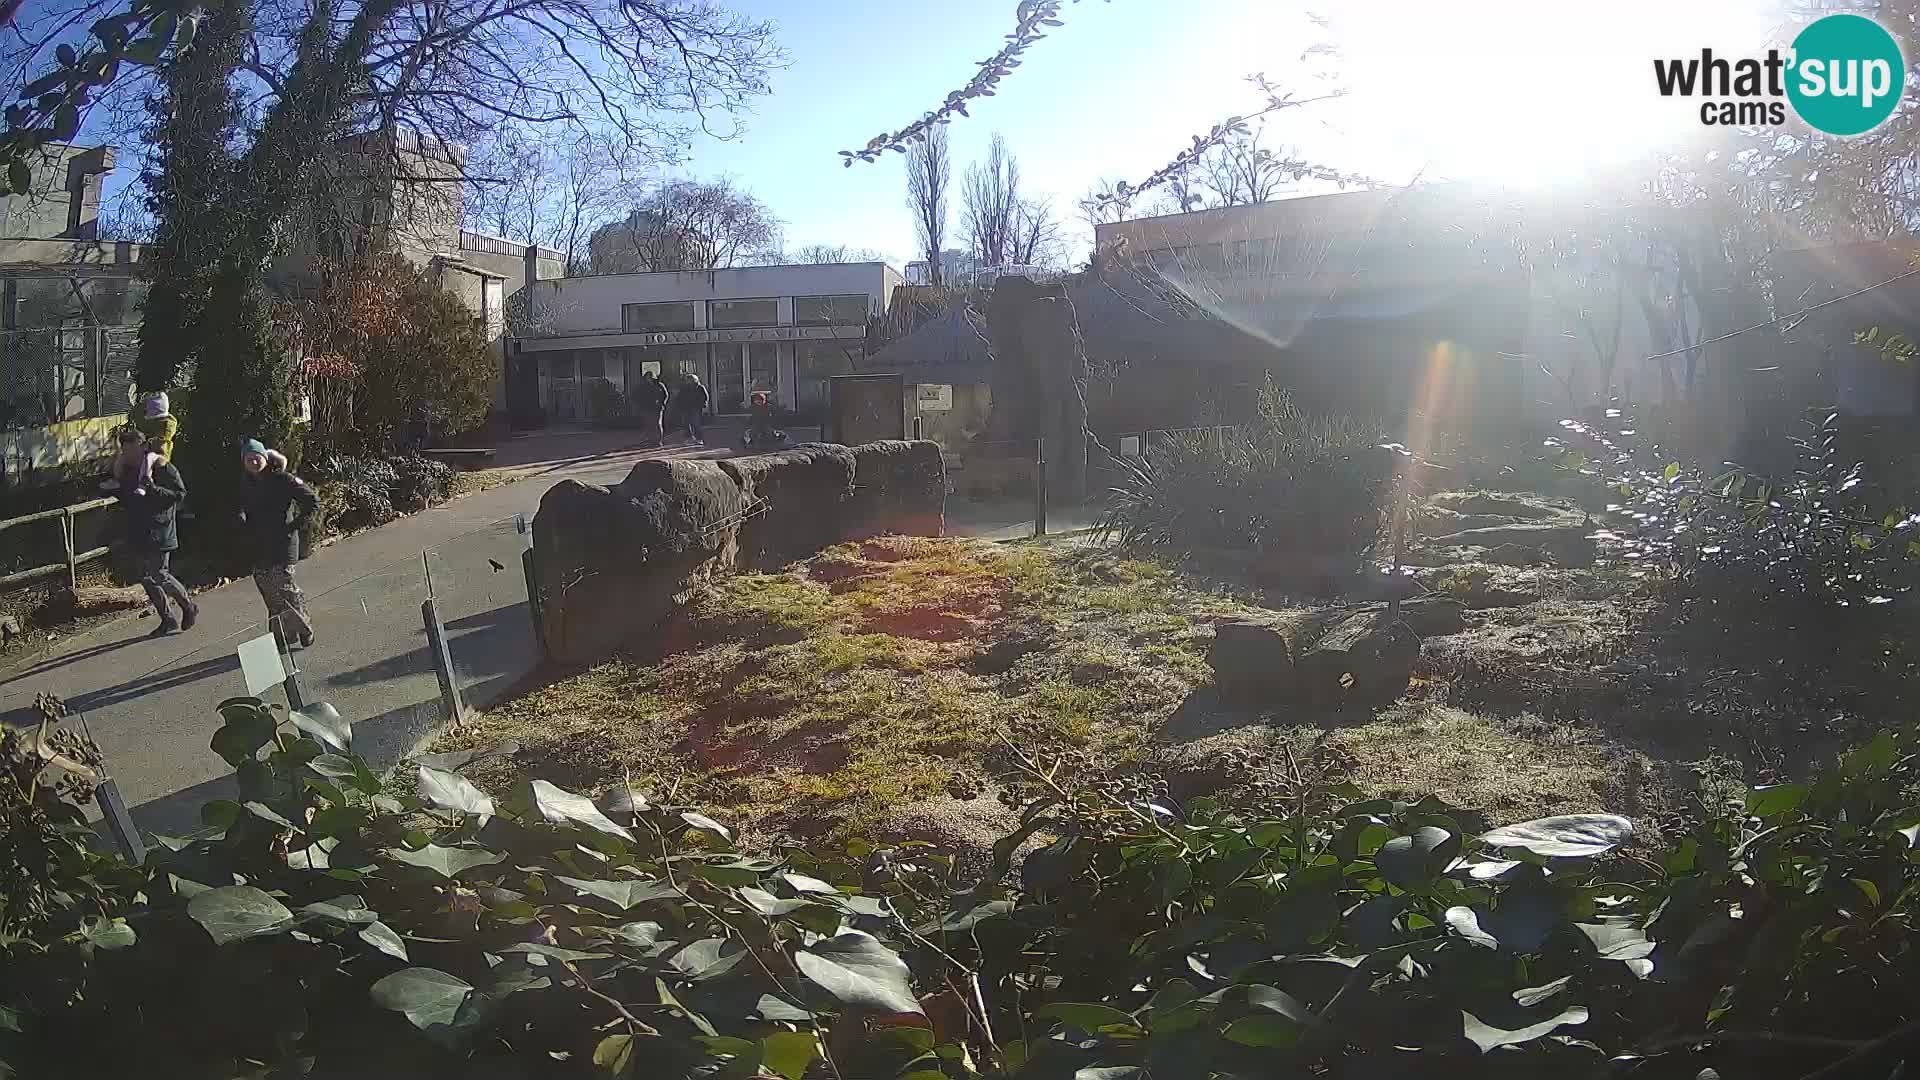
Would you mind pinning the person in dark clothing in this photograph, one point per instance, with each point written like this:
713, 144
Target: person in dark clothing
150, 492
650, 399
275, 506
691, 404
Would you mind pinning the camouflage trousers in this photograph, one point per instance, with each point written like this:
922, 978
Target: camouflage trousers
286, 604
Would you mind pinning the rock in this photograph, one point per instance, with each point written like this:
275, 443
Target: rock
1364, 659
796, 499
1434, 616
1570, 545
1484, 585
1253, 659
1517, 555
900, 487
612, 563
1306, 573
1487, 503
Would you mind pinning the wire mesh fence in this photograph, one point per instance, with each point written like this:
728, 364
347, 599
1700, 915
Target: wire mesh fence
74, 372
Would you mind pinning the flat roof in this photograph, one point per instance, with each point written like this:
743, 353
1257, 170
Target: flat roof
719, 270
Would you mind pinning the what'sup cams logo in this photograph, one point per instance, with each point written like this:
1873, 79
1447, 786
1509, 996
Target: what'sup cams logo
1843, 76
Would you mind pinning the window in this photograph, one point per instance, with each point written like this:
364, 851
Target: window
817, 361
560, 366
849, 309
732, 314
654, 318
592, 366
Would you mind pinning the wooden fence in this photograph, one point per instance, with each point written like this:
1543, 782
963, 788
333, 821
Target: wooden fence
71, 566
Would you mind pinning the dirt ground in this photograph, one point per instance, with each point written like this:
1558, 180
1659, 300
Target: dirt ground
875, 689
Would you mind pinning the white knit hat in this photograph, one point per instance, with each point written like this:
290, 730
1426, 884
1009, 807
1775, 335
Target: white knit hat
157, 405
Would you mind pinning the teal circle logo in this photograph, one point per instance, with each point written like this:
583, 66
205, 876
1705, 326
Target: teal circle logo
1847, 75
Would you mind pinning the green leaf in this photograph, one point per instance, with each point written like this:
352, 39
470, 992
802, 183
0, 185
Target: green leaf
324, 722
238, 912
857, 970
1088, 1016
1413, 861
1534, 995
1775, 799
1112, 1072
975, 915
766, 903
350, 910
1263, 1029
561, 807
427, 997
247, 728
1567, 836
1275, 1000
779, 1009
801, 883
708, 958
624, 894
104, 933
1671, 472
1487, 1037
381, 936
789, 1053
220, 814
453, 792
538, 953
1465, 921
705, 824
1615, 942
268, 813
448, 862
1867, 888
613, 1055
641, 934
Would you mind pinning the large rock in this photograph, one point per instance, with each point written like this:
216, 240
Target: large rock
1253, 659
1364, 659
1568, 545
795, 501
900, 487
613, 563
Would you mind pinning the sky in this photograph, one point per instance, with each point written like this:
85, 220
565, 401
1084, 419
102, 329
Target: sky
1507, 91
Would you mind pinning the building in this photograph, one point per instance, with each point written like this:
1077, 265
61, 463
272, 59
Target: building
583, 342
406, 197
69, 308
956, 268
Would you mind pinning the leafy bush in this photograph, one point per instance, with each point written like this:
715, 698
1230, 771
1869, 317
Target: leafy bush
336, 928
1805, 539
604, 401
1287, 482
359, 493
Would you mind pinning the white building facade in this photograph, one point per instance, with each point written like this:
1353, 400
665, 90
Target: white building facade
583, 342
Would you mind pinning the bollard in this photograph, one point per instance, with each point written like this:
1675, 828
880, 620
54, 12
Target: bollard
534, 608
1040, 486
918, 429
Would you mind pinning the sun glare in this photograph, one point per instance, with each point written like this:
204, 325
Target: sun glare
1526, 92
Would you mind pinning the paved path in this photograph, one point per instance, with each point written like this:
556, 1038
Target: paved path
150, 704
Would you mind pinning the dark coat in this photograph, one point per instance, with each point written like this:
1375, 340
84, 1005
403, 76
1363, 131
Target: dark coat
691, 398
653, 394
275, 506
149, 517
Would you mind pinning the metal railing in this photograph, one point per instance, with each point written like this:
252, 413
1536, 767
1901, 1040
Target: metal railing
73, 558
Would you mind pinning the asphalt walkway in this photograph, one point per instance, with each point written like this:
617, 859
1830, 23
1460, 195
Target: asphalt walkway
151, 704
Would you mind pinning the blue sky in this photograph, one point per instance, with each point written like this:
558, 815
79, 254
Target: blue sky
1115, 92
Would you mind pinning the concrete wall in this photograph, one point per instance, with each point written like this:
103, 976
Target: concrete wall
590, 304
64, 199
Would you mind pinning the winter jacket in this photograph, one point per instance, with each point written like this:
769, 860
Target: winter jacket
275, 506
692, 398
653, 394
159, 430
149, 516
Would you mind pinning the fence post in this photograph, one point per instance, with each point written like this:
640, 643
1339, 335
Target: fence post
1040, 486
66, 536
443, 664
918, 429
291, 684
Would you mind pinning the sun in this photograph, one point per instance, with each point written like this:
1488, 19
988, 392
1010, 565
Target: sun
1526, 92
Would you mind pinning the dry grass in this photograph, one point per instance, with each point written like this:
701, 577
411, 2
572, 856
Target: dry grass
872, 679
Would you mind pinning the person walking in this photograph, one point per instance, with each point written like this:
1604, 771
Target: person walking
150, 492
275, 507
651, 399
691, 403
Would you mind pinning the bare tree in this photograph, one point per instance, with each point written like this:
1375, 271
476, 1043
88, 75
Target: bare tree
819, 254
1106, 202
686, 225
1036, 233
1241, 172
928, 177
991, 197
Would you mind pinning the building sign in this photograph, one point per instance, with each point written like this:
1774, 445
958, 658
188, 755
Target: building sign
615, 339
933, 397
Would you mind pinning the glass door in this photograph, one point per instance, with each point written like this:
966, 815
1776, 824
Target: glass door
729, 382
763, 369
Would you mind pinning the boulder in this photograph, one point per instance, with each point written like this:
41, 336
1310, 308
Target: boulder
1569, 545
1506, 505
795, 501
1434, 616
1253, 659
1364, 659
900, 487
612, 563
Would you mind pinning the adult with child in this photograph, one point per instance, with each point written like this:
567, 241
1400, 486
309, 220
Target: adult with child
150, 491
275, 506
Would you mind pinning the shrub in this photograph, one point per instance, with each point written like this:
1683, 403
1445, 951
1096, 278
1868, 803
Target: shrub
336, 927
1287, 482
359, 492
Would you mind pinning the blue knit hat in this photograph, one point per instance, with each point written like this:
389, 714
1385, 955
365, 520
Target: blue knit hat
253, 446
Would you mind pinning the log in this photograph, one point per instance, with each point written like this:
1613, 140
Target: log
101, 599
